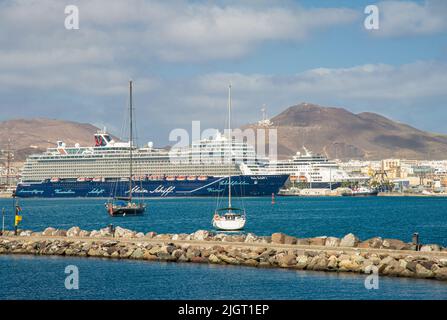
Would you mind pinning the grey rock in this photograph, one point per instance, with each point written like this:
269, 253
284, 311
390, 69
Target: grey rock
200, 235
349, 240
332, 242
73, 232
48, 231
430, 247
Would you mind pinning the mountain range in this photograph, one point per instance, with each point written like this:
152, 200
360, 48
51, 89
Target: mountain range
334, 132
338, 133
28, 136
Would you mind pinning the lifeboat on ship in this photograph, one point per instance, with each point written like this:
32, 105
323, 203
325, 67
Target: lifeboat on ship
98, 179
55, 179
191, 178
170, 178
181, 178
202, 178
81, 179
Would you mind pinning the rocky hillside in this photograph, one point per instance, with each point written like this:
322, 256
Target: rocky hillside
29, 136
341, 134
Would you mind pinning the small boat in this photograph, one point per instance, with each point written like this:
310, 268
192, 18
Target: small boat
170, 178
202, 178
229, 218
81, 179
55, 179
181, 178
98, 179
123, 206
361, 192
191, 178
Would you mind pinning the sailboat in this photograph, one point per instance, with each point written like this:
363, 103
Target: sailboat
229, 218
123, 206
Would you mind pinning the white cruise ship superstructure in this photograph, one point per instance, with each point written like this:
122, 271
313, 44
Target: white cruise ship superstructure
197, 170
315, 170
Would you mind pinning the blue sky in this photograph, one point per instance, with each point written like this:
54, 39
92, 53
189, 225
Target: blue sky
182, 54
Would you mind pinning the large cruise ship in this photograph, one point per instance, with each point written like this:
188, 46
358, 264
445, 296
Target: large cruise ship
312, 170
102, 170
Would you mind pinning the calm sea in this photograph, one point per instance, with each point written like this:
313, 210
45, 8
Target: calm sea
27, 277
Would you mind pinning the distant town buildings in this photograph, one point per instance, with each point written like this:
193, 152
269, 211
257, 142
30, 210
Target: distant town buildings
405, 174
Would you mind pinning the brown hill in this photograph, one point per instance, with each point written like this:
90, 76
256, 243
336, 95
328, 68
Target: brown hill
35, 135
341, 134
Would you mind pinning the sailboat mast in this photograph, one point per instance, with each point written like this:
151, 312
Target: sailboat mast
231, 143
130, 138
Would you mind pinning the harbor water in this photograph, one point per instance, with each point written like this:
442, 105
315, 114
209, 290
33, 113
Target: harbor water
387, 217
38, 277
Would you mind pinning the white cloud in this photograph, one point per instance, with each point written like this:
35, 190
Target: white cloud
82, 74
373, 87
408, 18
172, 31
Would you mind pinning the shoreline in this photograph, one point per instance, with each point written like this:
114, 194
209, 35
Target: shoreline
389, 257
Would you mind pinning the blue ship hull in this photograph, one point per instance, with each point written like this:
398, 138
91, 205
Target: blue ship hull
243, 185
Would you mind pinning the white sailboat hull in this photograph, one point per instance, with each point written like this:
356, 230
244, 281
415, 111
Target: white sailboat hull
229, 225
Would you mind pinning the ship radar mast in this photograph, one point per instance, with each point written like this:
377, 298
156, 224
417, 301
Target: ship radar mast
265, 122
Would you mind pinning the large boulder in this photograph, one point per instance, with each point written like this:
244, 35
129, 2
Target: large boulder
430, 247
105, 232
301, 262
200, 235
48, 231
318, 241
290, 240
349, 240
332, 242
25, 233
150, 234
138, 253
423, 272
318, 263
250, 238
60, 233
124, 233
332, 263
287, 260
375, 242
214, 259
84, 233
302, 241
441, 273
278, 237
394, 244
349, 265
73, 232
95, 234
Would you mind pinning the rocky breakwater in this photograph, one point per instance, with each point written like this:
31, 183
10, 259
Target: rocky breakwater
348, 254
